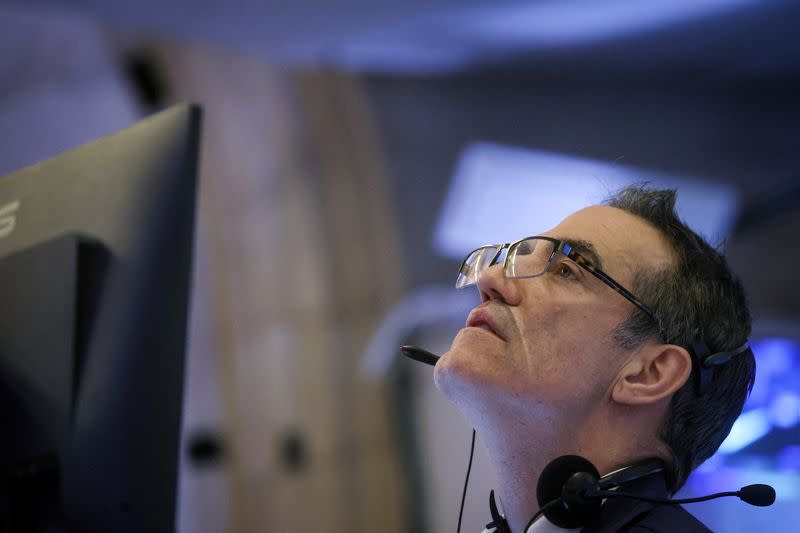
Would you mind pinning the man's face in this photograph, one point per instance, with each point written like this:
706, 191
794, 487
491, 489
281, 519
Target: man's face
545, 345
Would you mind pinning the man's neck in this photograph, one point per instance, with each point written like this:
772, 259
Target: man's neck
517, 490
519, 461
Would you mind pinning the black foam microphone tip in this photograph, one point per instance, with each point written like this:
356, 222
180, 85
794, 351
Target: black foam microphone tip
758, 494
418, 354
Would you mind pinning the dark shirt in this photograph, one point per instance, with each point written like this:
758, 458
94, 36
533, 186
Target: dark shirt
629, 515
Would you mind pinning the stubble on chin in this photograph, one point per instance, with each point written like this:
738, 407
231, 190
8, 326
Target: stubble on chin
470, 370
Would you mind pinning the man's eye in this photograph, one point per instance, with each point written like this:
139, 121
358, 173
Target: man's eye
565, 270
524, 249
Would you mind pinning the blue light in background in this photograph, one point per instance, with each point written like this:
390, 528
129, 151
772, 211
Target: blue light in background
762, 446
789, 458
777, 369
784, 411
775, 400
751, 426
554, 22
538, 189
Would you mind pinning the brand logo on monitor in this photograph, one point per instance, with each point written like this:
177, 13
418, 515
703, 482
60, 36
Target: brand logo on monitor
8, 218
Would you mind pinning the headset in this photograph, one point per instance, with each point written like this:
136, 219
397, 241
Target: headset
705, 362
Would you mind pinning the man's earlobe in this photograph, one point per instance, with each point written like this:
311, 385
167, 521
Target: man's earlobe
655, 372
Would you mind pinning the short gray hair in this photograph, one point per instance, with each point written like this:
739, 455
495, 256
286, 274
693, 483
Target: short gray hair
696, 299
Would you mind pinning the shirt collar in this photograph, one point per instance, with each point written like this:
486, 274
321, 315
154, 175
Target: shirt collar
617, 512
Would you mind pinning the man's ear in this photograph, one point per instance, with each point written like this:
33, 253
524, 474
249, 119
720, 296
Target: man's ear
654, 372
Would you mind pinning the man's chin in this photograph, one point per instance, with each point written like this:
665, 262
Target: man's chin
475, 346
464, 369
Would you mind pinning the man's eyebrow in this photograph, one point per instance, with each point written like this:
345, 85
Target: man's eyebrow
586, 249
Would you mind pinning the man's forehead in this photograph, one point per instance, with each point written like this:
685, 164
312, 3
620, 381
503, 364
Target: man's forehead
621, 242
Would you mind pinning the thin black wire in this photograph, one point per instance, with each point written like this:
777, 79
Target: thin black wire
613, 494
466, 481
545, 507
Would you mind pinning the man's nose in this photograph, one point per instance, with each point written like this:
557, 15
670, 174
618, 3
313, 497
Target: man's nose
494, 285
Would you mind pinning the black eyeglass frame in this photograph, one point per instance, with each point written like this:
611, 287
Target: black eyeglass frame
559, 246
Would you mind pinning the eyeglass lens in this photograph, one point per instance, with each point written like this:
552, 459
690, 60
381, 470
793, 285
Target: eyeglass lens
526, 259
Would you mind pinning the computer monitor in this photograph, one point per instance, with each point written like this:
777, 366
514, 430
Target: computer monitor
95, 257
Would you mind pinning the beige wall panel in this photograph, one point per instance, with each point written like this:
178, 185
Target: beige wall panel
292, 227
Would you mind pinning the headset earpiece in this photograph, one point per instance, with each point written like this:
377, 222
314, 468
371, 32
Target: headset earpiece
704, 363
566, 479
702, 373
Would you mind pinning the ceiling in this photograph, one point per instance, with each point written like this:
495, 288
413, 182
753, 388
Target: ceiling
731, 37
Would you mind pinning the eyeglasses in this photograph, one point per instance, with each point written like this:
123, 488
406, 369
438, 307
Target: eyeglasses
531, 257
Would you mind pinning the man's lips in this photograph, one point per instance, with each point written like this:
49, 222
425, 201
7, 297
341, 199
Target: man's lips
480, 318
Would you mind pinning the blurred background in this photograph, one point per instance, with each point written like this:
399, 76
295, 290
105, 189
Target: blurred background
354, 150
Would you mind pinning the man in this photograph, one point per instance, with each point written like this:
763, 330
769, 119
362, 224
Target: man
583, 345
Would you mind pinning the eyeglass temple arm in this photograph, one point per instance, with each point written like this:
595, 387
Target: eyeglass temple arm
608, 280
